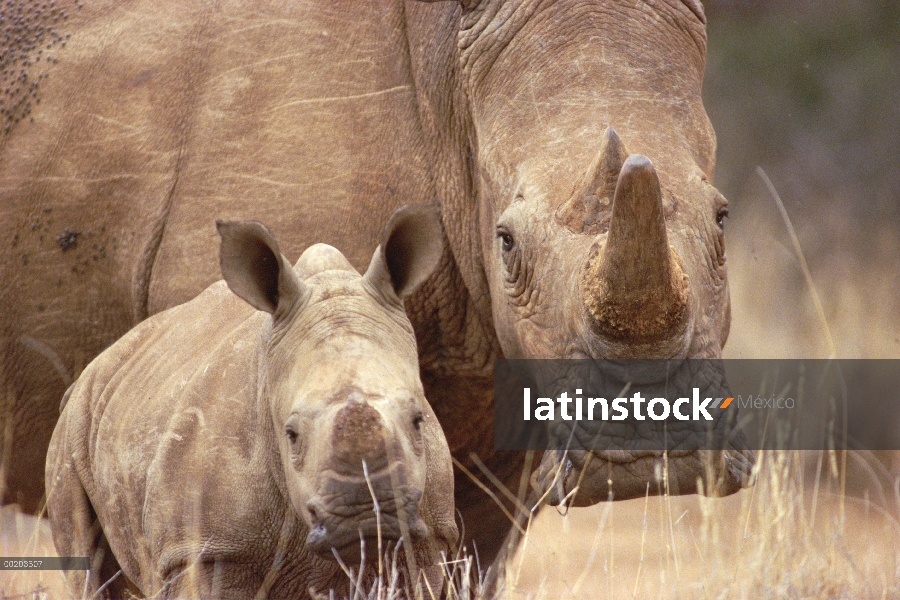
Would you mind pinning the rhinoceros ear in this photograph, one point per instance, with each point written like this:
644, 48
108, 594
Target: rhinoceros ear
410, 249
254, 267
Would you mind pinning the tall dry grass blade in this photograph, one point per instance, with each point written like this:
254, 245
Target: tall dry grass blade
490, 493
671, 529
377, 508
595, 546
99, 592
500, 485
637, 578
522, 549
524, 479
523, 490
87, 581
342, 565
362, 567
832, 350
405, 537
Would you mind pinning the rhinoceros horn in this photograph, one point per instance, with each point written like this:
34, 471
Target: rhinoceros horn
634, 288
603, 174
587, 210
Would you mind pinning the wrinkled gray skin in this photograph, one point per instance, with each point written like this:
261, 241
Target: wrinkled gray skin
224, 435
576, 476
158, 115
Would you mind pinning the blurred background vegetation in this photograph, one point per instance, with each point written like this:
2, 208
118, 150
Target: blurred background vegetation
809, 91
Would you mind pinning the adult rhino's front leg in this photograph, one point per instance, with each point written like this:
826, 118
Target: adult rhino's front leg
464, 405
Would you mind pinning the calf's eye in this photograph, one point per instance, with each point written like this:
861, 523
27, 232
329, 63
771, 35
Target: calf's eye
291, 435
507, 243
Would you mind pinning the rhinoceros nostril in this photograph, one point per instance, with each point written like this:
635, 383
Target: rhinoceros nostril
314, 511
317, 539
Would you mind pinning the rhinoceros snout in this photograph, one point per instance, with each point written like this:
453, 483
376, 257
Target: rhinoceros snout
364, 490
358, 435
343, 516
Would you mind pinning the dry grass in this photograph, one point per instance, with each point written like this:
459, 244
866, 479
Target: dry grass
788, 537
794, 535
24, 535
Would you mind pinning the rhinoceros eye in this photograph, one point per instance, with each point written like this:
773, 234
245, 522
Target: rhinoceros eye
291, 434
507, 242
418, 419
721, 216
296, 448
510, 252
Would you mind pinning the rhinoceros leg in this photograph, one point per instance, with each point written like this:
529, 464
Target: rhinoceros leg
464, 407
28, 409
212, 579
76, 529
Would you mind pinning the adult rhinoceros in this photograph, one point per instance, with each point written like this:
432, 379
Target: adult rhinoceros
130, 126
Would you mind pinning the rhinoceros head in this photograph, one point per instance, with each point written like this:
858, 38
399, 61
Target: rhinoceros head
363, 456
591, 250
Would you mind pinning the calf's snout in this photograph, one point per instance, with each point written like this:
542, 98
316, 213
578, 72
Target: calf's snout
346, 511
358, 435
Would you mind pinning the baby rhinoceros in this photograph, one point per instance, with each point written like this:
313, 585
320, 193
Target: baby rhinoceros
221, 451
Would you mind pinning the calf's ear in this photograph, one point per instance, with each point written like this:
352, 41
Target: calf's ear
410, 250
254, 267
